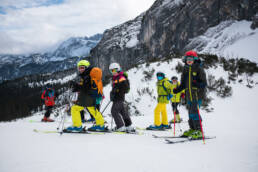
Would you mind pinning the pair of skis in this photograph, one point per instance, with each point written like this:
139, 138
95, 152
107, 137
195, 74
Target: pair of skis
180, 139
86, 132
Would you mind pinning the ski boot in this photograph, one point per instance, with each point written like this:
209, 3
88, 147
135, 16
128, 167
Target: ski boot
74, 129
98, 128
155, 127
187, 133
166, 126
130, 129
121, 129
196, 134
45, 119
178, 119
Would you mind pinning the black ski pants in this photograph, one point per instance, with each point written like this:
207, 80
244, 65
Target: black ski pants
48, 111
120, 115
174, 107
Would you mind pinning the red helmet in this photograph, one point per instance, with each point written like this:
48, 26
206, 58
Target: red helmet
191, 53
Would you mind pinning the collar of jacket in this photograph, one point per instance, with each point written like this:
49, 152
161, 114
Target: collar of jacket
86, 72
164, 79
118, 76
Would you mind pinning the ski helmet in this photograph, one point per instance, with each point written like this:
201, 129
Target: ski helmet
48, 86
191, 53
174, 78
114, 66
83, 63
160, 74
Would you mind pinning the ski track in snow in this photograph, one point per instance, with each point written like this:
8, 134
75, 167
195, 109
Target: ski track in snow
233, 122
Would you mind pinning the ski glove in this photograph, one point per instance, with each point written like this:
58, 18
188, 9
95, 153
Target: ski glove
169, 96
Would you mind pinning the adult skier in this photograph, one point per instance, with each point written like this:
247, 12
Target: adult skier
49, 96
193, 80
175, 100
120, 86
89, 90
164, 89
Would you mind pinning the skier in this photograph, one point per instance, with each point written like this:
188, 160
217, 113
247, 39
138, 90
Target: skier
164, 89
120, 86
175, 100
193, 80
49, 96
89, 89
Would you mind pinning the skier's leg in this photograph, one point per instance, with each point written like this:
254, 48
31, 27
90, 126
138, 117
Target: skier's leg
124, 114
97, 115
76, 115
115, 110
164, 114
157, 112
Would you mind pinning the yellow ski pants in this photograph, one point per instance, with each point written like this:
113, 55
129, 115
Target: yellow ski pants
76, 115
161, 108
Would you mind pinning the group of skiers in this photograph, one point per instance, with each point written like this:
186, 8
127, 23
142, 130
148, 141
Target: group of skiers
90, 94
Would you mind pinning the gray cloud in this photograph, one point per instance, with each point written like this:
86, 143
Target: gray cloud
37, 28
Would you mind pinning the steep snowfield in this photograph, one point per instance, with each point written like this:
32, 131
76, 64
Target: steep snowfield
233, 122
231, 39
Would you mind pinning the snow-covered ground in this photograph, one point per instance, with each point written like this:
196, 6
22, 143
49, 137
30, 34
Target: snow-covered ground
233, 122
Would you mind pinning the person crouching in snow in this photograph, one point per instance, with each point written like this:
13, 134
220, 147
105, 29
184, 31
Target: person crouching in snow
193, 79
120, 87
164, 95
175, 100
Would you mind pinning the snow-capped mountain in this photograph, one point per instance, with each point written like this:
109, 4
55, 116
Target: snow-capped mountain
64, 57
174, 26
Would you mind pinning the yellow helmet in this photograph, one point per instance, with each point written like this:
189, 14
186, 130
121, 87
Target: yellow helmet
83, 63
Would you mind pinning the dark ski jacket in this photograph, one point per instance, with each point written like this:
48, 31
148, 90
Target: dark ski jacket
84, 89
119, 87
193, 80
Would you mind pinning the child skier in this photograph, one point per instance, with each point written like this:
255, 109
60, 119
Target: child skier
176, 99
120, 86
49, 96
164, 89
89, 89
193, 80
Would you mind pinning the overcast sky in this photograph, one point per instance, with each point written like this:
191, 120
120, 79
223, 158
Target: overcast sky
29, 26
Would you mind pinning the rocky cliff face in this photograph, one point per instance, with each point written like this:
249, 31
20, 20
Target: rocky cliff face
166, 28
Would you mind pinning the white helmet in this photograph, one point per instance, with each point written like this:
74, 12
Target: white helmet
114, 66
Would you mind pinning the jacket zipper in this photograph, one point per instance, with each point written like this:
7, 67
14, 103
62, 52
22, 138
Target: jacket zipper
190, 90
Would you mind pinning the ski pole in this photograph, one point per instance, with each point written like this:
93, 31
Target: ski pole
67, 109
174, 122
200, 123
105, 107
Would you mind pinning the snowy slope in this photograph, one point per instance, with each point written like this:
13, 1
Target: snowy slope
234, 122
230, 39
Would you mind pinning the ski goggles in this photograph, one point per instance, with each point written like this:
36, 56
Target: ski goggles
81, 68
113, 70
189, 58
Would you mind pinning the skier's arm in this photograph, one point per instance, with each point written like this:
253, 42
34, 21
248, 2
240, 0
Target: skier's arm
43, 95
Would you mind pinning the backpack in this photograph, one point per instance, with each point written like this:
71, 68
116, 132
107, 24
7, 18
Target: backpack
127, 82
49, 93
96, 80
